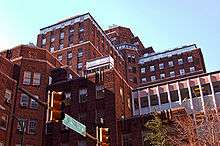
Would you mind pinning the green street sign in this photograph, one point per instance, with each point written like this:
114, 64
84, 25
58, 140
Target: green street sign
74, 125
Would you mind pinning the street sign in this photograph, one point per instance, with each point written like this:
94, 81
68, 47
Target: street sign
74, 125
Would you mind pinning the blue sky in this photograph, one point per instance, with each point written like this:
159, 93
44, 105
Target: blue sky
159, 23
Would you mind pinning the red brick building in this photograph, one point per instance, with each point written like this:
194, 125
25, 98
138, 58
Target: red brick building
7, 94
35, 65
104, 96
84, 49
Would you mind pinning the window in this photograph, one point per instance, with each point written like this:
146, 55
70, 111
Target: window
3, 122
182, 72
192, 69
100, 114
44, 41
144, 102
216, 86
152, 68
24, 100
33, 103
180, 61
59, 57
51, 49
82, 95
195, 91
70, 76
174, 96
172, 74
52, 39
61, 35
61, 46
80, 52
69, 55
206, 89
71, 30
79, 65
153, 78
36, 79
153, 100
143, 70
190, 59
164, 98
161, 66
170, 63
27, 78
21, 124
100, 91
8, 95
162, 76
143, 80
32, 127
184, 93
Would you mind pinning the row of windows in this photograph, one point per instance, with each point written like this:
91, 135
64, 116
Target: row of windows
171, 74
28, 77
174, 95
170, 64
30, 126
25, 101
61, 37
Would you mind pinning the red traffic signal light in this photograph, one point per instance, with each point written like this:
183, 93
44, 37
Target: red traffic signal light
105, 136
57, 106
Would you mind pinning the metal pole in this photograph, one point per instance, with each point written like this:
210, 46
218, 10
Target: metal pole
97, 136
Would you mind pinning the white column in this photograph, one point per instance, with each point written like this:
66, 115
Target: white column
201, 96
168, 94
179, 94
158, 97
139, 104
190, 95
148, 97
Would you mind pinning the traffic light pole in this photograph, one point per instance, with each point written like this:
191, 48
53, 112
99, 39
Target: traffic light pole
44, 104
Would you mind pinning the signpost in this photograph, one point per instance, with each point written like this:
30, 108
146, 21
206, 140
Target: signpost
74, 125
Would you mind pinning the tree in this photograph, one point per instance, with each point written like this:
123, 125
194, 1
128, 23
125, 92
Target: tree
156, 132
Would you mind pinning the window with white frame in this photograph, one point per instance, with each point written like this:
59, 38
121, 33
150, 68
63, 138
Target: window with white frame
69, 55
8, 95
51, 49
32, 127
182, 72
180, 61
100, 91
44, 41
79, 65
3, 121
27, 78
172, 74
61, 46
143, 70
170, 63
152, 68
59, 57
161, 66
80, 52
24, 100
192, 69
61, 35
190, 59
33, 103
83, 95
153, 78
36, 78
162, 76
143, 80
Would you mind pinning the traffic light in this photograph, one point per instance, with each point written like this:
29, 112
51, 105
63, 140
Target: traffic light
57, 106
105, 136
